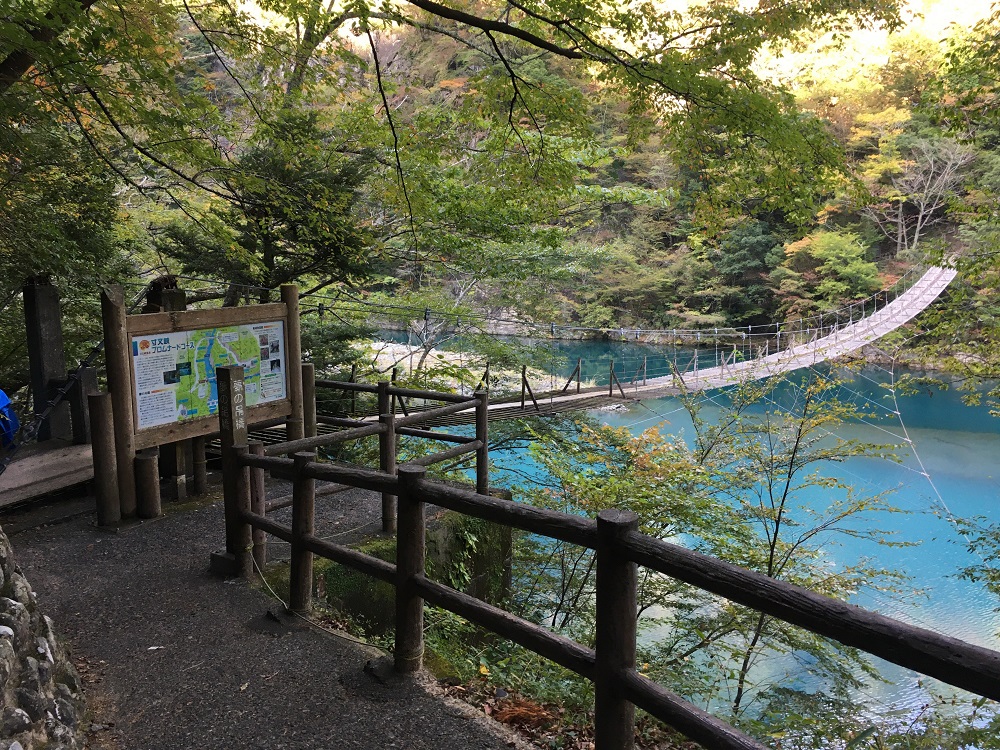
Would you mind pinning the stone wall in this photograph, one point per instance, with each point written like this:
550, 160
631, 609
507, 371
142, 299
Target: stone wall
42, 696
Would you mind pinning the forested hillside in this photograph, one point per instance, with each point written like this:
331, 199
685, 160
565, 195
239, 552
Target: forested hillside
599, 167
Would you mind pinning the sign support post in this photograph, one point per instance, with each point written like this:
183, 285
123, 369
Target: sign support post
118, 360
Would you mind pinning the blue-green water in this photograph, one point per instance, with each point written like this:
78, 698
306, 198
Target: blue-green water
949, 468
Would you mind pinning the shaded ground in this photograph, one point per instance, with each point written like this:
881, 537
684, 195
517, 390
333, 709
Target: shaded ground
177, 659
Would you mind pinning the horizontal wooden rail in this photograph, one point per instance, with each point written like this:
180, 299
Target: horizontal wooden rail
345, 385
561, 650
950, 660
355, 433
344, 474
393, 391
431, 435
550, 523
320, 441
425, 415
440, 456
448, 398
372, 566
686, 718
340, 421
268, 463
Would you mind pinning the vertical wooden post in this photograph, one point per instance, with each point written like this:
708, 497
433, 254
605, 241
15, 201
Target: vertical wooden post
235, 476
524, 382
109, 511
147, 480
611, 379
309, 398
354, 394
482, 435
617, 581
199, 465
579, 372
117, 357
173, 456
79, 407
387, 464
303, 523
46, 360
258, 501
384, 401
409, 646
397, 397
387, 453
295, 424
645, 361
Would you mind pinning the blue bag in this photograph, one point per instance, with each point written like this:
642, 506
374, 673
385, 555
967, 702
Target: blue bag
8, 422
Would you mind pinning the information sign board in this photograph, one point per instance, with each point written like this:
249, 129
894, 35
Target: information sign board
174, 373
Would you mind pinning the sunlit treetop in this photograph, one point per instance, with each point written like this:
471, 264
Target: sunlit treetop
687, 72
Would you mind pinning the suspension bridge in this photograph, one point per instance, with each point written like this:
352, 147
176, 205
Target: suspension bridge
691, 359
738, 354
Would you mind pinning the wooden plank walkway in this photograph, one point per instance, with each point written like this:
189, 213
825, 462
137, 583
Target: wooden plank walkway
43, 468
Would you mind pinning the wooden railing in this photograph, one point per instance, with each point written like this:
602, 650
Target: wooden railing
388, 427
620, 549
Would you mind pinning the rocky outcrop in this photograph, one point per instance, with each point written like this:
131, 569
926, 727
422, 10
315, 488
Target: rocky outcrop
42, 696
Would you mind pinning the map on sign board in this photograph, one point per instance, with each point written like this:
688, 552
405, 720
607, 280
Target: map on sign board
175, 372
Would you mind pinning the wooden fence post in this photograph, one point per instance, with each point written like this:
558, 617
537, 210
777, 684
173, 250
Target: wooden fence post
293, 362
199, 465
303, 522
387, 464
109, 512
46, 357
409, 646
235, 476
483, 436
258, 503
309, 398
387, 453
354, 394
173, 456
611, 380
147, 480
617, 581
79, 408
117, 357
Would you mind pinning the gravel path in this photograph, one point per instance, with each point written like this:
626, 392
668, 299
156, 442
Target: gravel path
178, 659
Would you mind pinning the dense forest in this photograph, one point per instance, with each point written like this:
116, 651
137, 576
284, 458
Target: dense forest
471, 168
713, 168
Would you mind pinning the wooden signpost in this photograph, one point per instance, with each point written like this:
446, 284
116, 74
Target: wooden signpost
162, 370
